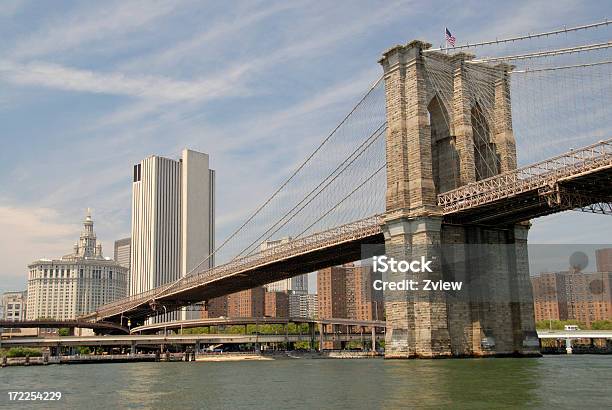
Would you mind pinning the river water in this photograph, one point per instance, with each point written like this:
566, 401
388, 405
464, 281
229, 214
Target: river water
579, 381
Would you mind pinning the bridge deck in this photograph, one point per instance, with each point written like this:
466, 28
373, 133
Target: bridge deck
328, 248
576, 179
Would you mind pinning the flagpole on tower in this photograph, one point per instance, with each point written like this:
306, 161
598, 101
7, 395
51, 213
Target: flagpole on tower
450, 39
445, 41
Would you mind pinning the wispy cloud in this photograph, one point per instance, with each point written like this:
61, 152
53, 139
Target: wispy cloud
144, 86
106, 21
217, 32
30, 233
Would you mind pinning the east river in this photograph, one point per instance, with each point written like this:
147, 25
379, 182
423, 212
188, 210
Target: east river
578, 381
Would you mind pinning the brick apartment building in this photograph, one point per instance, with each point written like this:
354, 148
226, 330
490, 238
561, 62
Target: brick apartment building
216, 307
346, 292
585, 297
276, 304
247, 303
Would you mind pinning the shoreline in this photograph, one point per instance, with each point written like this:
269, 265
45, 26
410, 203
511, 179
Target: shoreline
216, 357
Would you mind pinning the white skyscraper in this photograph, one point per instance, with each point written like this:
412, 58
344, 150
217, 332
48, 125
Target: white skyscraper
172, 221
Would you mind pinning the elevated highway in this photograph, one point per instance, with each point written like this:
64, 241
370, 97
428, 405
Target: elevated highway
98, 327
193, 339
186, 324
575, 334
156, 340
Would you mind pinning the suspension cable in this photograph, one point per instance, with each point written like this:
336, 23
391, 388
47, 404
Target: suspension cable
565, 67
524, 37
286, 182
547, 53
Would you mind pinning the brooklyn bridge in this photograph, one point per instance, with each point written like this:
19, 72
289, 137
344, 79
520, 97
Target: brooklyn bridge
433, 155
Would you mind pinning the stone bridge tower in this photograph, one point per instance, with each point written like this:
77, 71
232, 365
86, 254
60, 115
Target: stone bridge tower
447, 128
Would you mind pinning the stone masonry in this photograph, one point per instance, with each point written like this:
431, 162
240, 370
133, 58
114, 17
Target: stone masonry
431, 149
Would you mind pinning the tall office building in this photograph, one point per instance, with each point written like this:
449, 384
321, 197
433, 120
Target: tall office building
123, 251
296, 284
604, 259
303, 305
172, 221
14, 305
550, 296
77, 283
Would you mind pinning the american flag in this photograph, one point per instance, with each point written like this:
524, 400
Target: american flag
450, 39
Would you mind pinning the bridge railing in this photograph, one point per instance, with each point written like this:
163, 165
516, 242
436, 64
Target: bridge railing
136, 297
527, 178
344, 233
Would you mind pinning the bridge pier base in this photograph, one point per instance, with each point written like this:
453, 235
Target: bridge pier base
492, 314
417, 319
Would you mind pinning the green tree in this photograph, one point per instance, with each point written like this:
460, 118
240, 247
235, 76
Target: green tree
602, 325
83, 350
301, 345
23, 352
195, 331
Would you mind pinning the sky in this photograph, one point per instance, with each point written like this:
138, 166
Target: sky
87, 89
